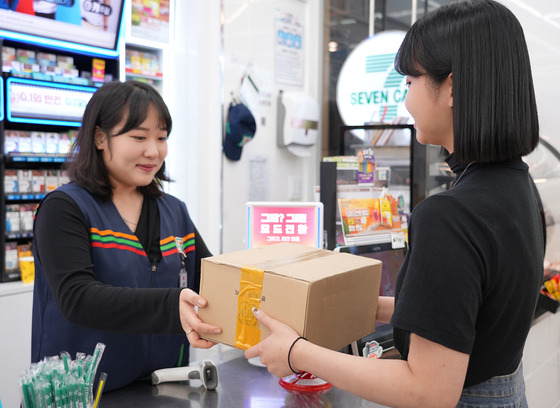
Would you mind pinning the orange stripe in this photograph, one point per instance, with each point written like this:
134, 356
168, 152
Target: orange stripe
169, 239
174, 251
117, 234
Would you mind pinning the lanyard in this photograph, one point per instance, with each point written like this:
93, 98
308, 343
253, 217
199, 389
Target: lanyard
183, 271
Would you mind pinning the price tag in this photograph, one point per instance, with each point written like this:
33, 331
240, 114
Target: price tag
398, 240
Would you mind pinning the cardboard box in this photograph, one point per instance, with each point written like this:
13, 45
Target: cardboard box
328, 297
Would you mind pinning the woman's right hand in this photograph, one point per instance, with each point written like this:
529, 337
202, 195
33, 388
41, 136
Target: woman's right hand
189, 301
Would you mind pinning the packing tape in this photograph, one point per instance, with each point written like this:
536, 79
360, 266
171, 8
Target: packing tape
247, 332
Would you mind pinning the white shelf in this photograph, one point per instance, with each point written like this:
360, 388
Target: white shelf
14, 288
139, 74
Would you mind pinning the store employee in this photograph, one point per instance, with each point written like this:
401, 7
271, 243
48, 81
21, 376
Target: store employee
116, 258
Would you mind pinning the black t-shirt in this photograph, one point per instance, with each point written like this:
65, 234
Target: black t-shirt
62, 244
471, 277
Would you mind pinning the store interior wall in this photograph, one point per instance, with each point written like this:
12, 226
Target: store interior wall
265, 171
213, 45
195, 100
540, 20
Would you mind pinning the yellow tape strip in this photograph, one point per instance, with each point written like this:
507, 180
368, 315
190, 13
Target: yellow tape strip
247, 332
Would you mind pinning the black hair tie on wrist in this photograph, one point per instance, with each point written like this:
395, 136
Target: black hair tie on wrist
290, 352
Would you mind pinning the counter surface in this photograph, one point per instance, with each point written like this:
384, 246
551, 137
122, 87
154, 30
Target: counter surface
240, 385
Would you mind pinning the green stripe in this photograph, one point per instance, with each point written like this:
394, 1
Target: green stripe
168, 246
379, 63
171, 245
123, 241
394, 79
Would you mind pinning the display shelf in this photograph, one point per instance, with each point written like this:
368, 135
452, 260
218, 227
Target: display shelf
19, 235
24, 197
41, 110
134, 73
143, 63
390, 149
34, 158
56, 65
144, 56
14, 288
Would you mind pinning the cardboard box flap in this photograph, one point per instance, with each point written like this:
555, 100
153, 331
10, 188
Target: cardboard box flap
318, 268
295, 261
262, 255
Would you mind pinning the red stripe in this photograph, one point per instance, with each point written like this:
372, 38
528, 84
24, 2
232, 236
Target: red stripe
174, 250
125, 247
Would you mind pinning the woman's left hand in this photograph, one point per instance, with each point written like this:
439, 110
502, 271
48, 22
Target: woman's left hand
193, 326
273, 350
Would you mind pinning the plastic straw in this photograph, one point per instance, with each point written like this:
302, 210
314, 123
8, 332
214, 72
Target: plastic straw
100, 386
59, 382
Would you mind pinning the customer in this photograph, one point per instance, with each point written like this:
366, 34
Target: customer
468, 287
108, 246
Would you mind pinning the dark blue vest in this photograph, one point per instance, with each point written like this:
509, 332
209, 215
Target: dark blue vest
118, 260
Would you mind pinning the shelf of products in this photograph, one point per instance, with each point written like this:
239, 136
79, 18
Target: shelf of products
24, 60
144, 64
44, 93
32, 166
371, 184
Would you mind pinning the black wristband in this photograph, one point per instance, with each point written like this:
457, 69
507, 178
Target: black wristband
290, 352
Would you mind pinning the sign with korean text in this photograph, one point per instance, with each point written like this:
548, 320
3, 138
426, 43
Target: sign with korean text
32, 101
276, 222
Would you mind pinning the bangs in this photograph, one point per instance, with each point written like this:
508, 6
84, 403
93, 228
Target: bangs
407, 60
139, 104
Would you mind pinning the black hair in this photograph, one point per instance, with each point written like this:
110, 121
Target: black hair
481, 43
107, 108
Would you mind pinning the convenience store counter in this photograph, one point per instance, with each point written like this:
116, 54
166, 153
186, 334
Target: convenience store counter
240, 385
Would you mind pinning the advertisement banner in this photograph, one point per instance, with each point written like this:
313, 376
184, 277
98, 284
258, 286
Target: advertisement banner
273, 223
